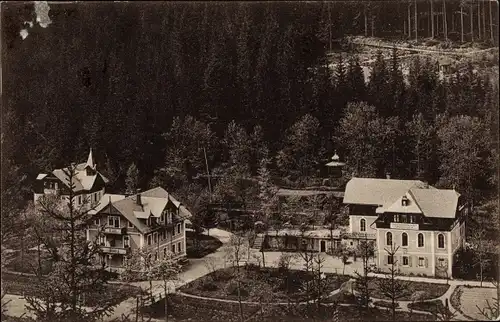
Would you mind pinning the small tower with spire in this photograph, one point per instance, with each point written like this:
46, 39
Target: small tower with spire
90, 166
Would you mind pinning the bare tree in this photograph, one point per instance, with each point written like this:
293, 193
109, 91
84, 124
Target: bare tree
479, 244
491, 22
445, 24
167, 270
471, 13
432, 19
491, 311
462, 4
416, 19
391, 287
236, 250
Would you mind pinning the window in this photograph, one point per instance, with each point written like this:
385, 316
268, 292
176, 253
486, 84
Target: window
405, 261
162, 217
420, 240
155, 237
149, 239
173, 249
173, 231
362, 225
421, 261
404, 218
390, 260
404, 201
440, 241
151, 221
97, 221
412, 219
102, 240
388, 239
396, 218
126, 241
404, 239
179, 247
164, 234
114, 221
79, 200
178, 228
130, 224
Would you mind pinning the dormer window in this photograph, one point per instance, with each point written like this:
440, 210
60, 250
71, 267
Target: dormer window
404, 201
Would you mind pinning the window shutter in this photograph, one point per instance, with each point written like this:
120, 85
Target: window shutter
426, 262
409, 260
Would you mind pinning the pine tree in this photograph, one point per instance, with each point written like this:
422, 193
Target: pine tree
132, 179
378, 84
76, 269
391, 287
356, 79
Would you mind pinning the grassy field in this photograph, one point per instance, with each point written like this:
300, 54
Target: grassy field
27, 286
187, 309
432, 290
255, 283
207, 245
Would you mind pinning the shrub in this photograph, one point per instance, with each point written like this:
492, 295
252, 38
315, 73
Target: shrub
431, 42
222, 275
208, 286
384, 304
232, 289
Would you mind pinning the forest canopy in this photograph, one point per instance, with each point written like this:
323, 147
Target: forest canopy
161, 85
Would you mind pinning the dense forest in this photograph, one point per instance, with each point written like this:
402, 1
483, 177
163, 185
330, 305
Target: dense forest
158, 87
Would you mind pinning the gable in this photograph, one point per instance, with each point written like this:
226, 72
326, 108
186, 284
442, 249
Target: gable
377, 192
412, 206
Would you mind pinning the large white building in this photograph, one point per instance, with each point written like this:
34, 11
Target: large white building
425, 224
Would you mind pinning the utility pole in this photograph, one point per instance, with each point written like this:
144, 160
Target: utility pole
416, 21
208, 174
491, 25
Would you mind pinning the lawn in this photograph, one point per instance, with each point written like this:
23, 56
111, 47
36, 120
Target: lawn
276, 285
207, 245
28, 263
27, 286
431, 290
429, 306
188, 309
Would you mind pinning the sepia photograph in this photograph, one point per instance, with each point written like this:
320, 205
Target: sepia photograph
250, 161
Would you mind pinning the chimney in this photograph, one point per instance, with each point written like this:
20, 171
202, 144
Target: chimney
138, 199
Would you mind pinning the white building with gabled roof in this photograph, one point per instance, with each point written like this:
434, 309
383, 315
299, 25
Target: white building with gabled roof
425, 224
88, 185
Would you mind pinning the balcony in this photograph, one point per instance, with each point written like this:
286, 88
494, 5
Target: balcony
115, 231
115, 250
